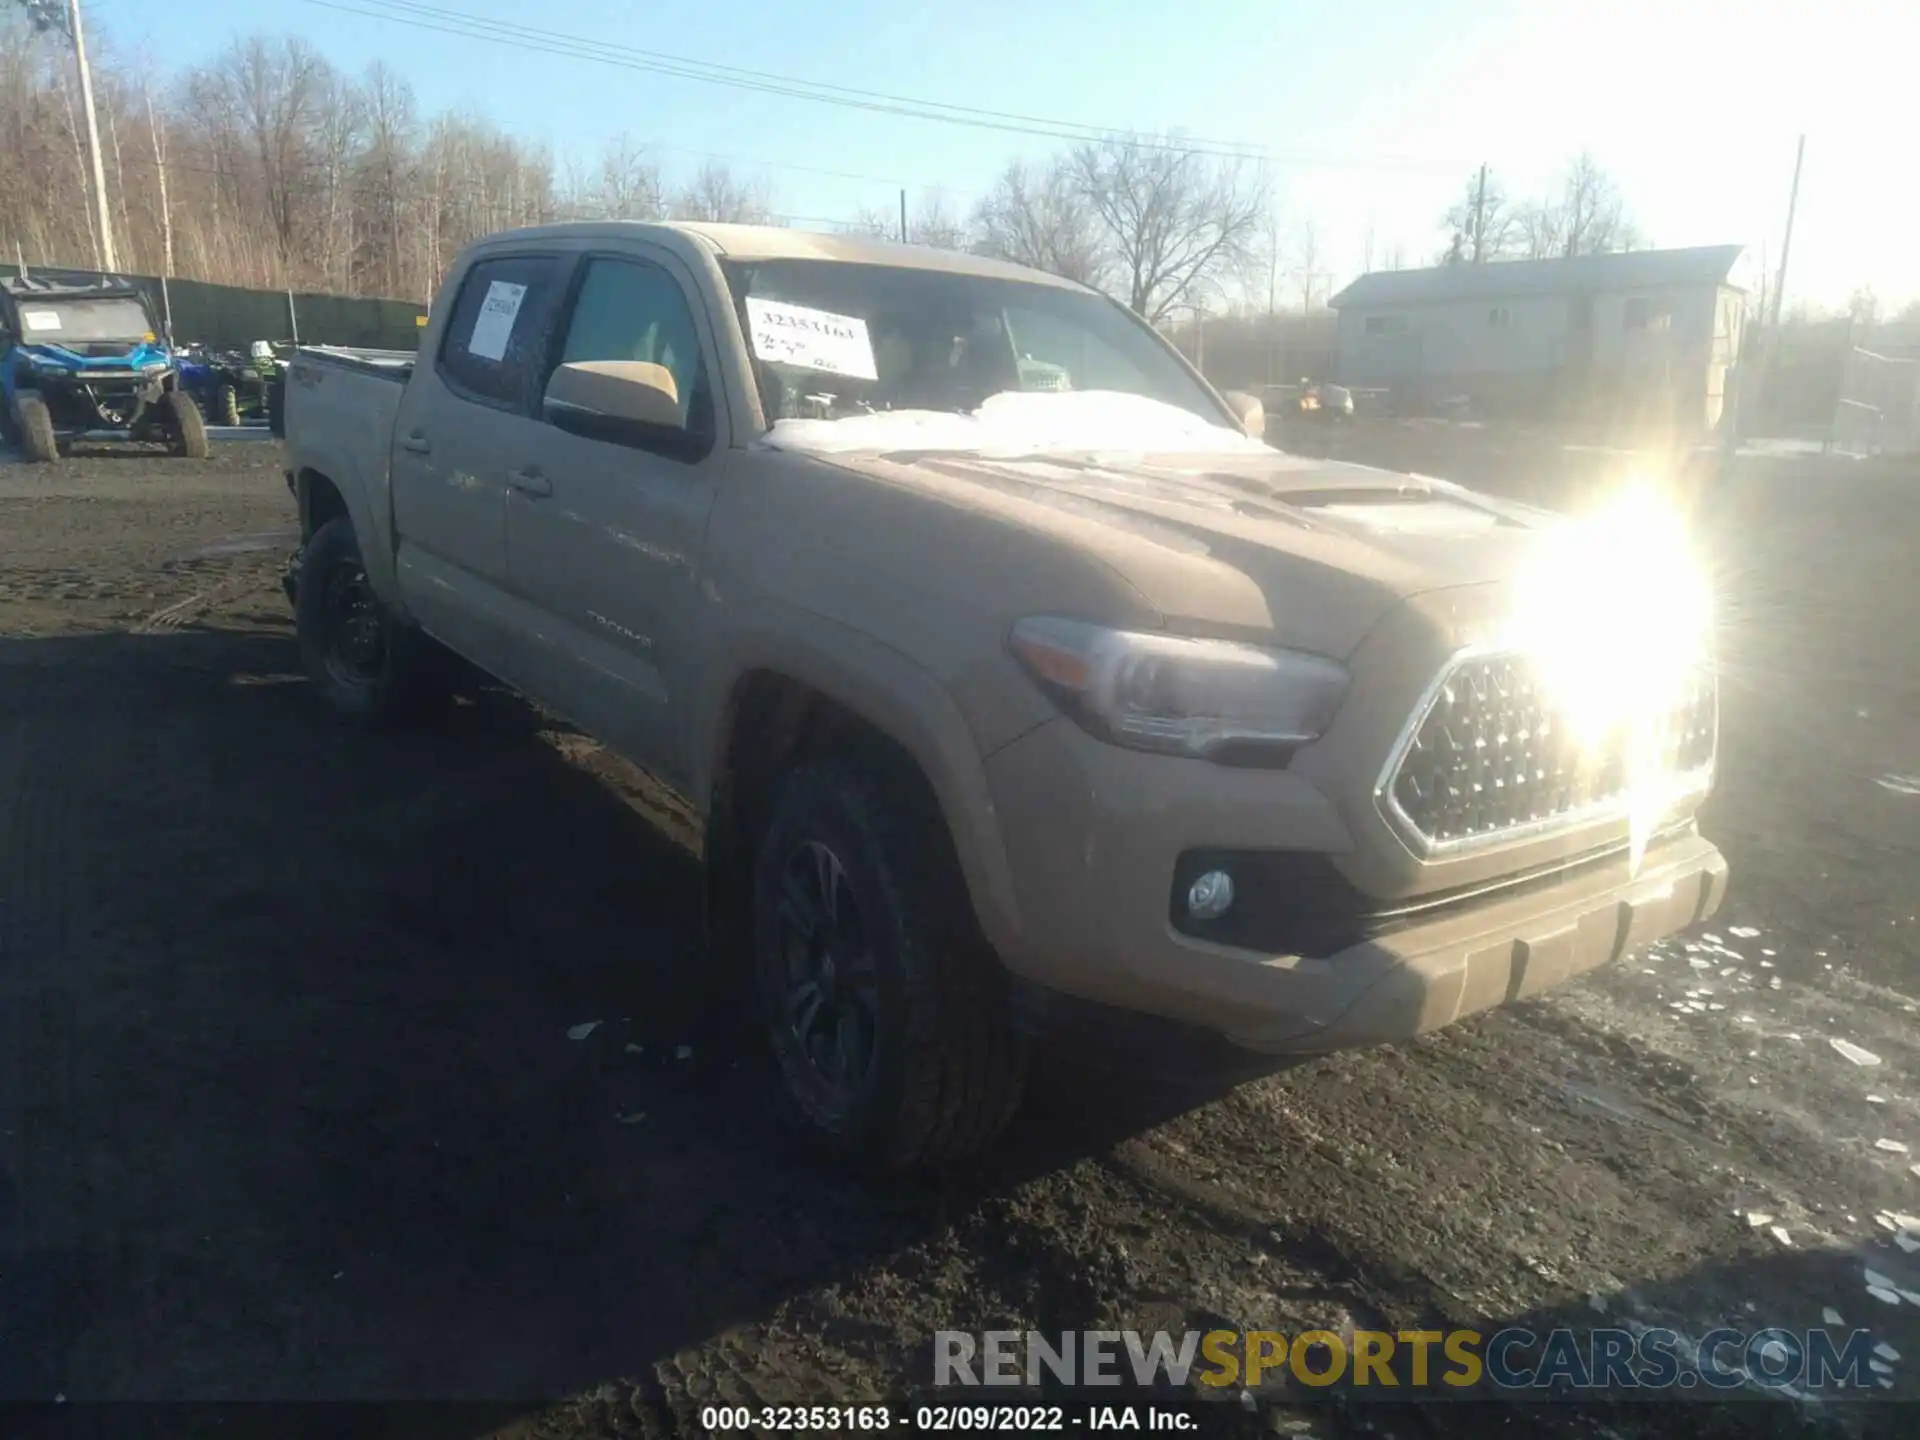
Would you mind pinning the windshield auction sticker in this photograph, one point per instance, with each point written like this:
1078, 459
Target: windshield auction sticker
493, 326
815, 339
41, 319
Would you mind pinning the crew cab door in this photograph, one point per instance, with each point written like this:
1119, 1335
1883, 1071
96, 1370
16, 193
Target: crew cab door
465, 424
604, 534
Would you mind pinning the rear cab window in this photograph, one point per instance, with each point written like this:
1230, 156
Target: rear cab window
496, 335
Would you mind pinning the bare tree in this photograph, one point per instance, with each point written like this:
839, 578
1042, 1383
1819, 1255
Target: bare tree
1592, 210
628, 185
1172, 218
717, 195
1261, 263
385, 176
1483, 223
1307, 273
274, 90
874, 222
1542, 227
935, 224
1042, 219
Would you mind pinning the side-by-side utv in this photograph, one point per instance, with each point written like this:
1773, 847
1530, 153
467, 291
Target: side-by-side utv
82, 357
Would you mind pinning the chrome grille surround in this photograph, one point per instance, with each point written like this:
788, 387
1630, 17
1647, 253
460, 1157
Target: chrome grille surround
1484, 762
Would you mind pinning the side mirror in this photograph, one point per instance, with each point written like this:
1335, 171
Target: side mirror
607, 397
1253, 415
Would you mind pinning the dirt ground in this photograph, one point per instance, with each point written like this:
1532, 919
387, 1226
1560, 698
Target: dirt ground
289, 1110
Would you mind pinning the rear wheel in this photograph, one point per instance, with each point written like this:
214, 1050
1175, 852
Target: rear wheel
34, 422
887, 1012
226, 406
366, 665
185, 429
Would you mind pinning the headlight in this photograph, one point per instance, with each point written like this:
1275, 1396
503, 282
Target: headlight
1179, 696
1617, 614
1616, 611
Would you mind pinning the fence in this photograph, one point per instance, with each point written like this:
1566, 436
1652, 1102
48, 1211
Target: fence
1879, 406
229, 317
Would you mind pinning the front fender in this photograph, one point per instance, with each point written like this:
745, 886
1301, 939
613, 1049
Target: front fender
899, 698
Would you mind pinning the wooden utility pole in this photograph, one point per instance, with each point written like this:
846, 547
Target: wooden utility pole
1480, 215
1786, 244
903, 217
103, 214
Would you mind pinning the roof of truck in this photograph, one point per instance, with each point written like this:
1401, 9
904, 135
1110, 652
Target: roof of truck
775, 242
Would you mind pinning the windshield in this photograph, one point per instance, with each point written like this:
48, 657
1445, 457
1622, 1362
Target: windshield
833, 340
61, 320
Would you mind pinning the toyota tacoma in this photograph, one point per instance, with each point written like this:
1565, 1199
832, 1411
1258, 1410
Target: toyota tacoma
1012, 673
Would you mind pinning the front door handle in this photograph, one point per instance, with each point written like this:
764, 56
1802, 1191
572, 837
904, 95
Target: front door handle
530, 481
417, 444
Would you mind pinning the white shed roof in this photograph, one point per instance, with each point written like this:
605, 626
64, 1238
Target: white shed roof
1579, 274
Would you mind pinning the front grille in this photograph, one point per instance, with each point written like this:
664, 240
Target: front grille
1491, 757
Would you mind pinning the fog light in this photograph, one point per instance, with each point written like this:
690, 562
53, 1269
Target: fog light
1211, 896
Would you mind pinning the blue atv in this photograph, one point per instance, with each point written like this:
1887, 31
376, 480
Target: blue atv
78, 357
229, 386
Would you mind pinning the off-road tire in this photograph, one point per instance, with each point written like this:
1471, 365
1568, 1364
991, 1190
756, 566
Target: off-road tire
276, 406
411, 681
34, 423
185, 428
226, 406
948, 1067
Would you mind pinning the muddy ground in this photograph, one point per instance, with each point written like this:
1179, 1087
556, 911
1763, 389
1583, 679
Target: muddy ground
289, 1110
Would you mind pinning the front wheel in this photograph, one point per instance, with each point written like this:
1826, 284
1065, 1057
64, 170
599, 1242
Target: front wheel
34, 421
186, 430
366, 665
887, 1012
226, 406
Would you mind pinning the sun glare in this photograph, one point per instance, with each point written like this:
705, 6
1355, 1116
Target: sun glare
1617, 614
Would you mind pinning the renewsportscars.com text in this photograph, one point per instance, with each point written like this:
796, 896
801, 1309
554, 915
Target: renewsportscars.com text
1426, 1361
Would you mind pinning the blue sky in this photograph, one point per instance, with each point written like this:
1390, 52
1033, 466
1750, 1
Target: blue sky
1377, 109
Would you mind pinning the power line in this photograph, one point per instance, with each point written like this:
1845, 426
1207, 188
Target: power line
523, 37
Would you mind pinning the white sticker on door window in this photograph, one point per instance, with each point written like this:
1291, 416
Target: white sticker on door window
41, 319
493, 326
816, 339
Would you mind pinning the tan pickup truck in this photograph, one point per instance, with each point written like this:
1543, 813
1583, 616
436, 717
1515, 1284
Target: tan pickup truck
1012, 676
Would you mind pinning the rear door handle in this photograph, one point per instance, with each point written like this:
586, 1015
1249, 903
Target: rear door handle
530, 481
417, 444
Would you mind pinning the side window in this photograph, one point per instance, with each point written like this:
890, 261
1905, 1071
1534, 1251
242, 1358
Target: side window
1052, 354
497, 332
1645, 313
630, 310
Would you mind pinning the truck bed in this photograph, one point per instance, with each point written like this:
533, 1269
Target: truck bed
341, 405
388, 364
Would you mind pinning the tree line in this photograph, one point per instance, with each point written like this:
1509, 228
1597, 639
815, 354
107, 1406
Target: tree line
270, 167
1583, 213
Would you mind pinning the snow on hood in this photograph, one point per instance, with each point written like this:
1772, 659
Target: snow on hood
1017, 423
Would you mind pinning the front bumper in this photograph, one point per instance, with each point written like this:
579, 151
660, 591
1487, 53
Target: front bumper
1095, 834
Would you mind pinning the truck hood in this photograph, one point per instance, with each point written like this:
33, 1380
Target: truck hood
1245, 541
